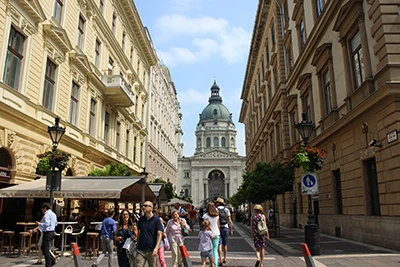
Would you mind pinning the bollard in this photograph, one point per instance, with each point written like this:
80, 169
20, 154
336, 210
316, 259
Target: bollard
307, 255
185, 256
77, 255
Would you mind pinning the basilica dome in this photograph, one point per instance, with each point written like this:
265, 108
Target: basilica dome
215, 110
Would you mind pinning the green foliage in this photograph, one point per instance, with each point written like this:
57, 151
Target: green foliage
264, 182
310, 158
112, 169
168, 187
43, 166
56, 157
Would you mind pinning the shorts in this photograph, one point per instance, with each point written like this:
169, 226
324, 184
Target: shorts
224, 233
206, 254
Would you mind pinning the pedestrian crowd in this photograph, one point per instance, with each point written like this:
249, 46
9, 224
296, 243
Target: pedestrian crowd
142, 240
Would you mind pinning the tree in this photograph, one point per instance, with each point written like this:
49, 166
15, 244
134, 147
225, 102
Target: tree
266, 181
168, 187
112, 169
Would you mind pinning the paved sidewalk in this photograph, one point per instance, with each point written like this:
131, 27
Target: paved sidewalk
283, 250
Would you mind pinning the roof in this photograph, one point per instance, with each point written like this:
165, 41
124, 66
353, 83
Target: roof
124, 188
215, 110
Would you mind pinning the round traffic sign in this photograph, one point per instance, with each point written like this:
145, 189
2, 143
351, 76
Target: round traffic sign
309, 181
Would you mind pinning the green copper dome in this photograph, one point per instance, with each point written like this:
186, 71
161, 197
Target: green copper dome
215, 110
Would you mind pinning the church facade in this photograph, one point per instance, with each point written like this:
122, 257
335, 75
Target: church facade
215, 169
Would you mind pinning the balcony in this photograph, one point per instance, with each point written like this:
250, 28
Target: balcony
117, 91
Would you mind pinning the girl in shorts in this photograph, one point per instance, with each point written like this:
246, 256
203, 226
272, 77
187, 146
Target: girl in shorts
205, 245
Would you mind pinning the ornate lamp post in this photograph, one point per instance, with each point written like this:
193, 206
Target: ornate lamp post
312, 238
144, 182
56, 133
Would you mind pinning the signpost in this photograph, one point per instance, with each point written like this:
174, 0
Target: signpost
309, 183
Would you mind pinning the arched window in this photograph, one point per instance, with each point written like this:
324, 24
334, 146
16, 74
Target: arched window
208, 142
216, 142
223, 142
199, 142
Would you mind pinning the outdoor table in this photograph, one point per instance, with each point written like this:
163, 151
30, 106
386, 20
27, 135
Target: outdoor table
63, 235
26, 224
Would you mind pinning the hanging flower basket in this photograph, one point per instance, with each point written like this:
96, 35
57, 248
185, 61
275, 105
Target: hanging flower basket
60, 160
308, 157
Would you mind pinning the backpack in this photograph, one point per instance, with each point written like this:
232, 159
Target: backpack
223, 216
262, 228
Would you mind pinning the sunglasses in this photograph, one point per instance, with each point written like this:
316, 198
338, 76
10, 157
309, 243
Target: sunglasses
146, 205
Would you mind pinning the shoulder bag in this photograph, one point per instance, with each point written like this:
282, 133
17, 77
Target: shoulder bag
262, 228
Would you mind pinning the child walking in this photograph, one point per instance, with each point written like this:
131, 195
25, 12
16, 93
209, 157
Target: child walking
205, 245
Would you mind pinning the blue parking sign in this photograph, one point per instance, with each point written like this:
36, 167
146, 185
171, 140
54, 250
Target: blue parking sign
309, 183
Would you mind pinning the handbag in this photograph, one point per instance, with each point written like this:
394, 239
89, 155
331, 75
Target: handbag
129, 245
166, 244
68, 230
184, 231
262, 228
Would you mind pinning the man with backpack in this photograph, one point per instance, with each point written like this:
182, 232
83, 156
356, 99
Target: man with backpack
226, 229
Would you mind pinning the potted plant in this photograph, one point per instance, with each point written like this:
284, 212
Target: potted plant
59, 158
310, 158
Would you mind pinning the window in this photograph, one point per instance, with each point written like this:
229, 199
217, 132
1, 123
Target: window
302, 34
134, 148
278, 137
318, 7
208, 142
216, 142
293, 121
273, 35
123, 40
81, 33
14, 58
327, 92
143, 113
49, 83
307, 106
267, 53
338, 192
101, 6
127, 143
286, 13
131, 56
110, 66
187, 174
374, 207
357, 59
118, 136
138, 67
58, 6
73, 113
114, 23
97, 53
136, 104
106, 126
92, 117
223, 142
289, 59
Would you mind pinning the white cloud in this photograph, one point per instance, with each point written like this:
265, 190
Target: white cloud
176, 24
192, 96
234, 45
210, 36
186, 4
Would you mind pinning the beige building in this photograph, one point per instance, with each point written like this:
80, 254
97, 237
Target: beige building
165, 130
86, 61
337, 61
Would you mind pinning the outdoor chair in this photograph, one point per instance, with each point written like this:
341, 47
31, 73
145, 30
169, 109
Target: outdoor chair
78, 234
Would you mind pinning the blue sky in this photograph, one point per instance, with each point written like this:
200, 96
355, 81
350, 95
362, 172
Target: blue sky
199, 40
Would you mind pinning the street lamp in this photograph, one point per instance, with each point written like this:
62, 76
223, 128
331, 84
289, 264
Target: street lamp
311, 230
56, 133
181, 193
144, 182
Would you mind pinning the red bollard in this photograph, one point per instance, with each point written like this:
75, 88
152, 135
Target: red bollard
77, 255
307, 255
185, 256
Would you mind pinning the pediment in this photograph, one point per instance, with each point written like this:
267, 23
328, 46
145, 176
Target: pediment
58, 35
216, 154
80, 60
33, 8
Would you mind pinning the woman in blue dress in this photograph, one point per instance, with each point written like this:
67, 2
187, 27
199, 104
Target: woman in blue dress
260, 241
125, 229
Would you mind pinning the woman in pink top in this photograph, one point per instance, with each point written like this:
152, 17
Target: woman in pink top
175, 237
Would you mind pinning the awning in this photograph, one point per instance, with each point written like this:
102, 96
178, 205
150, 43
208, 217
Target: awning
124, 188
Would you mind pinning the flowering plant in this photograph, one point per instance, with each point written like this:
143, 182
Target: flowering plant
56, 157
310, 158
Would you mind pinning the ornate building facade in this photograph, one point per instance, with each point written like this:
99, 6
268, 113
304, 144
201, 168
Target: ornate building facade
337, 61
215, 169
85, 61
165, 128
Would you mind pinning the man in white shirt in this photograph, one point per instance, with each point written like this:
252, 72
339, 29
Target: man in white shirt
226, 229
47, 226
